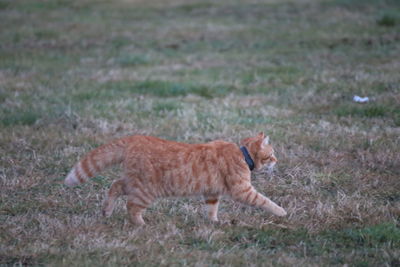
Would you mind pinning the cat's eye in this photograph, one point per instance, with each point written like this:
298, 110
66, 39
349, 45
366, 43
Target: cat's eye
267, 157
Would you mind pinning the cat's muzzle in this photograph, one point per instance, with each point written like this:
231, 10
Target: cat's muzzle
269, 169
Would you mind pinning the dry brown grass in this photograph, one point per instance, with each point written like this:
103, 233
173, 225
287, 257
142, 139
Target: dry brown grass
76, 74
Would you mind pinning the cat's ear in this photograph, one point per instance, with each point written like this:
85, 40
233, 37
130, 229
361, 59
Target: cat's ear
261, 135
265, 141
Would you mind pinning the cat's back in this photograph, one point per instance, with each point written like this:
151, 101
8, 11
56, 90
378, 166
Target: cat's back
217, 146
150, 148
151, 144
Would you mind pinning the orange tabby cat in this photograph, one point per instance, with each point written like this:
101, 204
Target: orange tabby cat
154, 168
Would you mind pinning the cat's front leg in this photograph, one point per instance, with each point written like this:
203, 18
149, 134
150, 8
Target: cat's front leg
246, 194
212, 207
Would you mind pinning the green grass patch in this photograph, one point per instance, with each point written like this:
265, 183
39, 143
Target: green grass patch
89, 95
326, 243
249, 121
368, 111
9, 119
3, 97
168, 89
369, 237
4, 4
164, 106
388, 110
129, 60
356, 3
101, 181
46, 34
270, 239
386, 20
201, 244
119, 42
42, 6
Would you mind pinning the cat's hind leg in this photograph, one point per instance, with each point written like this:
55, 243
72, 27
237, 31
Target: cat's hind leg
212, 204
135, 212
116, 190
139, 198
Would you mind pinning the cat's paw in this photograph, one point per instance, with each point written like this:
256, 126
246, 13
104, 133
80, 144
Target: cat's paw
107, 211
280, 212
213, 218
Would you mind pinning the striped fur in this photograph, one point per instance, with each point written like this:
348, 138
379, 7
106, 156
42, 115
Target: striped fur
96, 161
154, 168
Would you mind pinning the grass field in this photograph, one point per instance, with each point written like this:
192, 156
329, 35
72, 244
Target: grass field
75, 74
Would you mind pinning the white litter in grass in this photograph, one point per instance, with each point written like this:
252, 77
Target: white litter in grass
359, 99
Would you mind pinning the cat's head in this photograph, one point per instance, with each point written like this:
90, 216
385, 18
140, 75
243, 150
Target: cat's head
260, 151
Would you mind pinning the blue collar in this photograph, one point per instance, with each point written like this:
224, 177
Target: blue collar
247, 158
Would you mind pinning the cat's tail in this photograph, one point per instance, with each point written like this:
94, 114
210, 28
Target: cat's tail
96, 161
